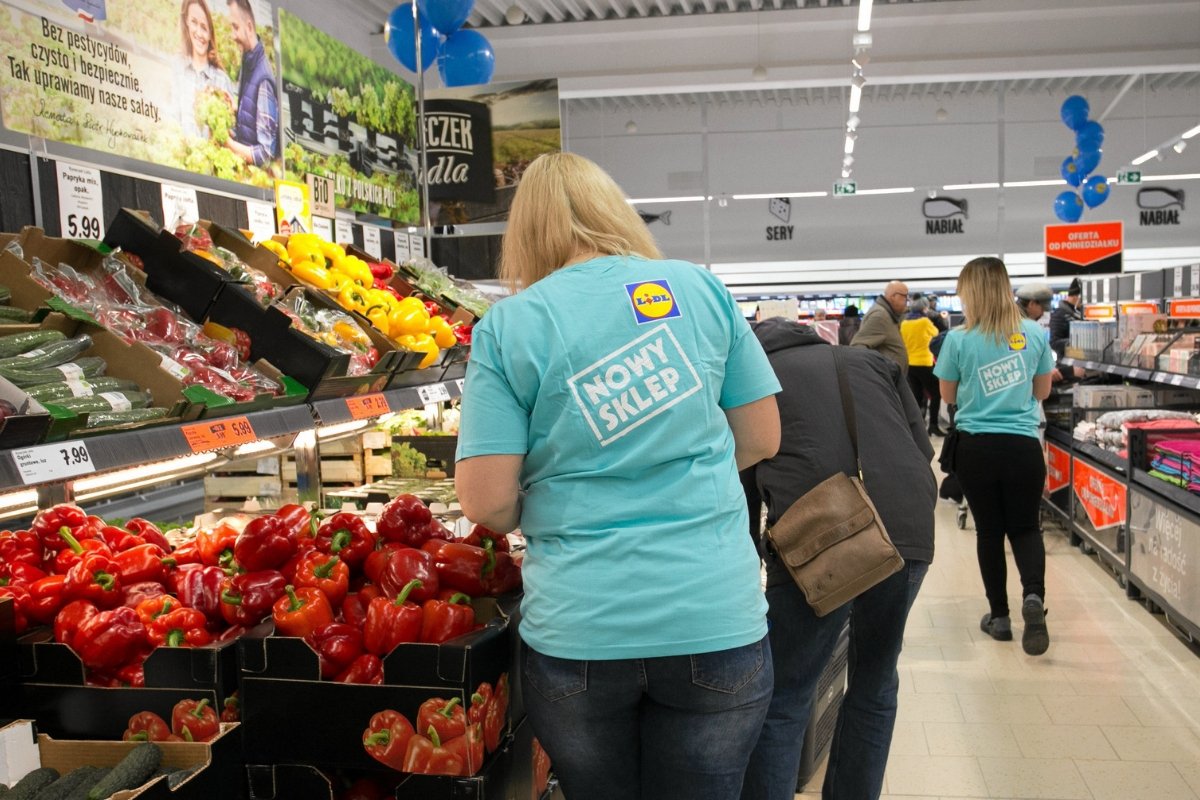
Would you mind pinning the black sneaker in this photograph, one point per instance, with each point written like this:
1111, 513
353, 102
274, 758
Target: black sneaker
937, 432
1036, 639
999, 628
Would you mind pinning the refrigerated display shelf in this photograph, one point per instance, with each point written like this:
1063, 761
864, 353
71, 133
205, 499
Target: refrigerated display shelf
1137, 373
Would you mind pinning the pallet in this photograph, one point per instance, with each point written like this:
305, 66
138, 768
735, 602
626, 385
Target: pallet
238, 481
377, 456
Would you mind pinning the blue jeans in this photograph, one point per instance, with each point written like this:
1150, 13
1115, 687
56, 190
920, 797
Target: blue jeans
802, 644
656, 728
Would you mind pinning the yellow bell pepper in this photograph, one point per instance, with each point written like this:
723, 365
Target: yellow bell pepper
313, 274
378, 316
424, 343
441, 332
332, 252
411, 303
407, 322
379, 297
352, 298
357, 269
279, 250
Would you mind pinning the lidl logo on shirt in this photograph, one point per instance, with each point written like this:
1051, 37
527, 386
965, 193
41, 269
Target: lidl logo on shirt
652, 301
634, 384
1002, 374
1016, 342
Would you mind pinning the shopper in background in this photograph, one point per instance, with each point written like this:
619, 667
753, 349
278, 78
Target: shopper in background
996, 367
895, 453
849, 325
201, 69
934, 315
1069, 309
255, 134
918, 331
1034, 300
881, 326
613, 436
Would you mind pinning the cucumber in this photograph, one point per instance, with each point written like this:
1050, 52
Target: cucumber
52, 392
81, 791
107, 401
48, 355
87, 367
180, 775
17, 343
62, 788
11, 314
103, 418
31, 784
130, 772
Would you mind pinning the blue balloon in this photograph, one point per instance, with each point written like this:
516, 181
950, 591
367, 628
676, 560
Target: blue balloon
1075, 112
1090, 136
1086, 162
398, 33
1095, 190
1070, 172
1068, 207
447, 16
466, 59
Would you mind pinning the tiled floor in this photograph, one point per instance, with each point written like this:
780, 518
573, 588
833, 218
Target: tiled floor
1111, 711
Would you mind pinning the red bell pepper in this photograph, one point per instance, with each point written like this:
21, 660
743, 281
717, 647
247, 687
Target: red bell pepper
354, 607
195, 721
443, 620
143, 562
153, 607
468, 747
20, 598
216, 545
479, 702
117, 539
19, 573
103, 640
480, 534
46, 598
345, 535
464, 567
445, 716
146, 726
264, 543
386, 738
132, 674
74, 550
426, 755
299, 522
327, 573
336, 644
373, 566
94, 578
247, 599
301, 612
22, 547
405, 565
200, 587
366, 669
50, 522
495, 714
405, 519
232, 712
169, 624
504, 577
186, 554
392, 622
149, 532
136, 593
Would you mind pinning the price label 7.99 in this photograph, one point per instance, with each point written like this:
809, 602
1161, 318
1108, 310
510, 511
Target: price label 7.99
50, 462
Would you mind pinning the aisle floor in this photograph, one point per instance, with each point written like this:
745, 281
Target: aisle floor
1111, 711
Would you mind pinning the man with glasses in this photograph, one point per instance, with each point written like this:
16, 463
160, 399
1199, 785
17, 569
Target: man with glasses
880, 328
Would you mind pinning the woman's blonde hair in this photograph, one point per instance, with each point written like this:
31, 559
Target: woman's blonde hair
987, 298
566, 206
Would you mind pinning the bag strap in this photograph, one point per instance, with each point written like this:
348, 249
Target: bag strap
847, 408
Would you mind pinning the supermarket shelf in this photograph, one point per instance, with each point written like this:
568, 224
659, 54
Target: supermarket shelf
1101, 456
1137, 373
1176, 494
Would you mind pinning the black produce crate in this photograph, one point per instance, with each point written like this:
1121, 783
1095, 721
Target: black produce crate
438, 450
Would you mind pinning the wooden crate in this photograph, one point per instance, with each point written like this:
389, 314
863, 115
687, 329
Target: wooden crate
236, 482
341, 467
377, 455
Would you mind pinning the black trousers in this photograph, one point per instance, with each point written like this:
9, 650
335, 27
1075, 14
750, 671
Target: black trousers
1002, 476
925, 388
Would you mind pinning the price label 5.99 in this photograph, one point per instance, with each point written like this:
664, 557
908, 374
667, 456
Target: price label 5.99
218, 433
50, 462
80, 202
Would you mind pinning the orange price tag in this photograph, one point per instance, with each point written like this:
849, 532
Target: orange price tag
218, 433
368, 405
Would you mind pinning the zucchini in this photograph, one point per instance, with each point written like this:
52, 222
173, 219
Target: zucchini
106, 401
49, 355
31, 784
81, 791
130, 772
17, 343
52, 392
63, 788
87, 367
104, 418
11, 314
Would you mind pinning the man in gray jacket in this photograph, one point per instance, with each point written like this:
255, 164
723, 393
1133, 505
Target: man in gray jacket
881, 326
895, 453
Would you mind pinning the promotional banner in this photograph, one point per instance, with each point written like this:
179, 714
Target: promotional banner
458, 147
1102, 497
1084, 248
188, 84
1058, 468
524, 125
349, 119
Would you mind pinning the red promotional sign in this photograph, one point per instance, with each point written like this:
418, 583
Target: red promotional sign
1185, 308
1085, 248
1102, 497
1100, 311
1138, 308
1058, 468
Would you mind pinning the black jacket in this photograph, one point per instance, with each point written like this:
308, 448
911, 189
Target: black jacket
1060, 326
893, 445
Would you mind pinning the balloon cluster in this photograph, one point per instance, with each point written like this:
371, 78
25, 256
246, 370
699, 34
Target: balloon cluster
464, 57
1078, 167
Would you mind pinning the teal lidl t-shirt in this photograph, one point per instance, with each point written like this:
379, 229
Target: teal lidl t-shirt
611, 378
995, 378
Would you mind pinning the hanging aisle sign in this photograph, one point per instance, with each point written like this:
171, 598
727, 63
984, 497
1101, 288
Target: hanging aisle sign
458, 147
80, 202
1085, 248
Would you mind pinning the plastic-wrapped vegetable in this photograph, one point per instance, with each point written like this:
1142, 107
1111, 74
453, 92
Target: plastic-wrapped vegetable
332, 326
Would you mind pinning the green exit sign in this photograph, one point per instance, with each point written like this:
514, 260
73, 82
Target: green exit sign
844, 188
1129, 176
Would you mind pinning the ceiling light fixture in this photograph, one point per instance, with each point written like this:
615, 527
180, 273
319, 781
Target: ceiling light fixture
897, 190
759, 73
778, 194
1190, 176
1179, 146
515, 15
856, 85
845, 173
1144, 157
1191, 133
861, 58
852, 123
634, 201
955, 187
848, 161
941, 115
1026, 184
849, 148
864, 15
631, 127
